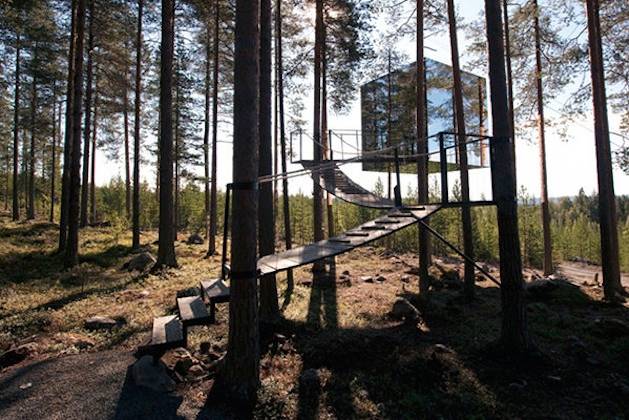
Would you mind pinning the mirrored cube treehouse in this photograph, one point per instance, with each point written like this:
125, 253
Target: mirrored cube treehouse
388, 118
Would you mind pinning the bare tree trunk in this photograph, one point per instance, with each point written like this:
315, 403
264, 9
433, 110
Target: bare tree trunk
88, 126
213, 196
239, 378
16, 130
422, 149
93, 172
177, 154
72, 249
325, 137
127, 156
548, 251
466, 214
67, 147
136, 130
166, 250
505, 17
53, 163
288, 235
606, 195
317, 208
514, 332
30, 213
206, 130
389, 124
269, 307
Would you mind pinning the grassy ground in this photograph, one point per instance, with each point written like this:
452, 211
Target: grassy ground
340, 354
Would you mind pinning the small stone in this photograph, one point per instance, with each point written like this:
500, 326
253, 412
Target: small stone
279, 337
196, 372
101, 323
195, 239
404, 310
140, 262
441, 348
145, 293
405, 278
381, 278
346, 272
26, 385
151, 375
183, 366
366, 279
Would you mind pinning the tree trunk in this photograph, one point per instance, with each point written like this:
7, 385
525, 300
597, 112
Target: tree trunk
206, 130
288, 236
213, 196
177, 154
269, 308
389, 126
239, 378
505, 16
166, 250
136, 130
88, 115
325, 136
67, 147
422, 149
317, 203
548, 252
93, 174
466, 214
127, 156
30, 213
606, 195
53, 163
72, 249
514, 332
16, 130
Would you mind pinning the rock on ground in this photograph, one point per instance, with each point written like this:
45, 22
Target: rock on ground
102, 323
195, 239
140, 262
404, 310
151, 375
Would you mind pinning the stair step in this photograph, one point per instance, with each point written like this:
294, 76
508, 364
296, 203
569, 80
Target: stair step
340, 240
192, 311
215, 291
356, 234
168, 333
386, 221
374, 227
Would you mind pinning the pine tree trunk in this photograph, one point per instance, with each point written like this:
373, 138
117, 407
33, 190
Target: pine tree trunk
466, 214
93, 166
288, 235
166, 250
72, 249
505, 17
269, 307
67, 146
325, 139
206, 130
30, 213
127, 156
53, 163
136, 130
514, 332
213, 192
548, 252
177, 155
16, 129
239, 378
606, 196
88, 116
422, 149
317, 206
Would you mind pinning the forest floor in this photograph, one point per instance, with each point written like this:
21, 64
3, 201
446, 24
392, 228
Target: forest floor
337, 353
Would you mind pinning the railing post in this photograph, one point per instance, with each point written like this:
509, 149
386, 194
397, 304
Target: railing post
301, 144
398, 188
225, 232
330, 145
443, 166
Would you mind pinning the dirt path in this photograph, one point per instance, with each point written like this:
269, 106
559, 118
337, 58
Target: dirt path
582, 273
85, 386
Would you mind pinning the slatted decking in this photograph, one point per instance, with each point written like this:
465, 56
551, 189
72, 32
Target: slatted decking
333, 180
359, 236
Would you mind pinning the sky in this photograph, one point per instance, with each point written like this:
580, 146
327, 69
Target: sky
571, 161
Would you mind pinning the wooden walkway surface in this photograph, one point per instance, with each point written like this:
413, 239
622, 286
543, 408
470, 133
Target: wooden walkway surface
334, 181
385, 225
